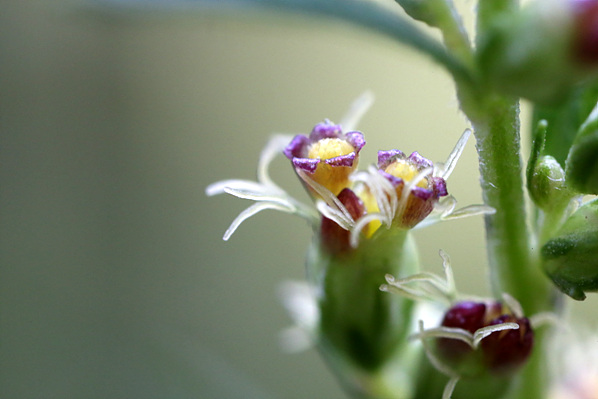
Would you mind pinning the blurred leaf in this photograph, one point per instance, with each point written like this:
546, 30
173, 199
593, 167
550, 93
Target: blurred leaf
385, 19
582, 162
564, 120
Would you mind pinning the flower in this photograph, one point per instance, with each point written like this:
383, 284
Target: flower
404, 193
328, 155
411, 176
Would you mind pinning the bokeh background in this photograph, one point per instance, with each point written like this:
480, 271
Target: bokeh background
114, 280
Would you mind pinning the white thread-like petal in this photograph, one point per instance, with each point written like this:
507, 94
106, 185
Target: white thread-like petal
252, 210
402, 291
279, 198
335, 215
452, 159
273, 148
433, 359
358, 108
449, 388
448, 274
360, 225
326, 195
448, 332
513, 304
236, 184
483, 332
471, 210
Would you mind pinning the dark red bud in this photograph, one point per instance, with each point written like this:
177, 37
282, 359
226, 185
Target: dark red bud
335, 239
468, 316
499, 353
507, 350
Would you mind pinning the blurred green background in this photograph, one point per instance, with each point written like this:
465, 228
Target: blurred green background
115, 282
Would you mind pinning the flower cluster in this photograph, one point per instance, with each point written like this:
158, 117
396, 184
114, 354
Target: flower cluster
397, 193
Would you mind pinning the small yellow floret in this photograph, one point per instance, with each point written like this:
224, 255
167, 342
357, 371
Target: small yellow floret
329, 148
405, 171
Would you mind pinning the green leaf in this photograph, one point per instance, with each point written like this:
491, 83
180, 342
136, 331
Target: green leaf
582, 162
570, 258
564, 120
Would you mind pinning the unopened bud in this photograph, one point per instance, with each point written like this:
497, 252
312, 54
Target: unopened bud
500, 353
547, 185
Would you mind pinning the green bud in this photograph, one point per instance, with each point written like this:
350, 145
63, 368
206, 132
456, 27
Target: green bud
570, 258
582, 161
547, 185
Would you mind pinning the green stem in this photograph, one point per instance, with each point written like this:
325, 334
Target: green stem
514, 266
513, 270
454, 34
442, 14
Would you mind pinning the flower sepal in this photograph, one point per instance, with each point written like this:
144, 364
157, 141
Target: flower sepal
361, 325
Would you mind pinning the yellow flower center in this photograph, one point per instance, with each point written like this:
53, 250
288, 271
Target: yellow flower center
329, 148
334, 178
405, 171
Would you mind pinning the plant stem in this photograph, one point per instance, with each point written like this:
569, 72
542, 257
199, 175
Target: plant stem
514, 265
496, 127
455, 36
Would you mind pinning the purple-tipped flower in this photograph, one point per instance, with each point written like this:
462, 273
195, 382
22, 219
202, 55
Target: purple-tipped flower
328, 155
416, 188
501, 352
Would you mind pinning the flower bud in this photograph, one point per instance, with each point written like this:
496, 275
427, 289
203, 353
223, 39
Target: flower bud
328, 155
507, 350
570, 258
500, 353
542, 51
547, 185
